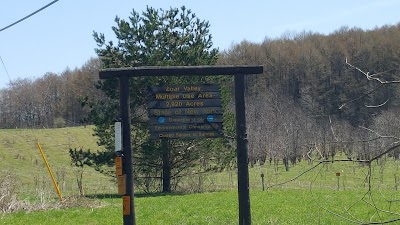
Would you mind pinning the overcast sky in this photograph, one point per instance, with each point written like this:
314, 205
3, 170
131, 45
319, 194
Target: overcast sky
60, 36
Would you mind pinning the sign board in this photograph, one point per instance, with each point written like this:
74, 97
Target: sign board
185, 111
186, 119
121, 184
126, 205
118, 136
186, 134
176, 89
188, 127
166, 104
118, 165
184, 96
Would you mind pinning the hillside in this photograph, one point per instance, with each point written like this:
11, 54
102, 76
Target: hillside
20, 156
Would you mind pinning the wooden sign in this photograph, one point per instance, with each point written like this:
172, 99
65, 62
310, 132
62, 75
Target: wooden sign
121, 184
118, 165
187, 127
186, 119
185, 111
126, 205
185, 88
186, 134
166, 104
184, 96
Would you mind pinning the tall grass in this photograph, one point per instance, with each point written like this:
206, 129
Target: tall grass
8, 196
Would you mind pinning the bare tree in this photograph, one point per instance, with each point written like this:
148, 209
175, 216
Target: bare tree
278, 129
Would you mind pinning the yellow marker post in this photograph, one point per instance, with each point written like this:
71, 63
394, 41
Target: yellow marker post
51, 173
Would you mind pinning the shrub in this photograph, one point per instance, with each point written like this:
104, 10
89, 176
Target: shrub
59, 122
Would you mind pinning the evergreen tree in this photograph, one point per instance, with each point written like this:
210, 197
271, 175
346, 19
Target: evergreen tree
174, 37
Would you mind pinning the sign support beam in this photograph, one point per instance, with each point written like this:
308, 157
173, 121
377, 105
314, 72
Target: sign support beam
241, 151
128, 204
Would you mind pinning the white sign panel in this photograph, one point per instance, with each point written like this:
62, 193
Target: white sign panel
118, 136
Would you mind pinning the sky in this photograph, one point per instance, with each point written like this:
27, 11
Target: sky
60, 36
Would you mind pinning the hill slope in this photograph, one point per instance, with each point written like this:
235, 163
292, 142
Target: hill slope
20, 156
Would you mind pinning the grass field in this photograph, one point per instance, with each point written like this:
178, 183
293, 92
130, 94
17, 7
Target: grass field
20, 156
316, 197
268, 207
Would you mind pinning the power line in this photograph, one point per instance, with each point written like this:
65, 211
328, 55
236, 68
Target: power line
5, 69
26, 17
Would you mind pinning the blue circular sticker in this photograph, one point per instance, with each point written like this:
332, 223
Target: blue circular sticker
161, 119
210, 118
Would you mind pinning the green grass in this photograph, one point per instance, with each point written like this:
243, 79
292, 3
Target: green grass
269, 207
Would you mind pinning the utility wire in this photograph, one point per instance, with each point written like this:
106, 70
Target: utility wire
5, 69
26, 17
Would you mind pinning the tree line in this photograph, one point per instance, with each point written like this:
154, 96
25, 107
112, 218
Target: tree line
54, 100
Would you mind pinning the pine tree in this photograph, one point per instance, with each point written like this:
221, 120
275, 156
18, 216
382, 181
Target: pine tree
174, 37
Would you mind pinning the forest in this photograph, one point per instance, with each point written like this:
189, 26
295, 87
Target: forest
315, 97
322, 94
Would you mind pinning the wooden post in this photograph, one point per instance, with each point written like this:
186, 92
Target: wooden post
241, 150
128, 204
166, 167
262, 181
338, 180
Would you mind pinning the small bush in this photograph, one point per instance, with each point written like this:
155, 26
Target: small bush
59, 122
